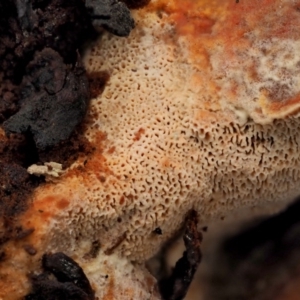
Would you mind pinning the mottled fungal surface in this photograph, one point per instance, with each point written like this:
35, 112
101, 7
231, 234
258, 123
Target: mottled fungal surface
260, 261
199, 111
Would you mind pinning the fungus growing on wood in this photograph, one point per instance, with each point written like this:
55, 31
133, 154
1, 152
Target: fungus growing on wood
199, 111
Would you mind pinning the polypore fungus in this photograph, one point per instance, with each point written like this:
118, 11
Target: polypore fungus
199, 111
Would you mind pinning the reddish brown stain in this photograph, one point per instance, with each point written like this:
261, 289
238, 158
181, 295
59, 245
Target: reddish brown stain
166, 163
46, 215
44, 208
101, 178
122, 200
97, 81
110, 295
150, 285
281, 105
48, 200
96, 162
111, 150
100, 137
138, 134
62, 204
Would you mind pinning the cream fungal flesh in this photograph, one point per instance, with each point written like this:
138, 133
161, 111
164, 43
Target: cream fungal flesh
200, 111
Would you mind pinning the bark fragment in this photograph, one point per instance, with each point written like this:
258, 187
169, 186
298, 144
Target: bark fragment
176, 286
71, 281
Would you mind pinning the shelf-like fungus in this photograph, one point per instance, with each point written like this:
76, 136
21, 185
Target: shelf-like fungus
200, 110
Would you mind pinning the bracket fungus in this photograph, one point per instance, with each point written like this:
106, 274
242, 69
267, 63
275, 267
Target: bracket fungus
200, 110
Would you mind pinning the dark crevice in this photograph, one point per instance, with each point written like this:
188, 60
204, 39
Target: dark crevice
259, 260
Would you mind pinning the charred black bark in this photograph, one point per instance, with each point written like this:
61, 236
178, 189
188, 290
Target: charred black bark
113, 15
54, 99
44, 88
71, 281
